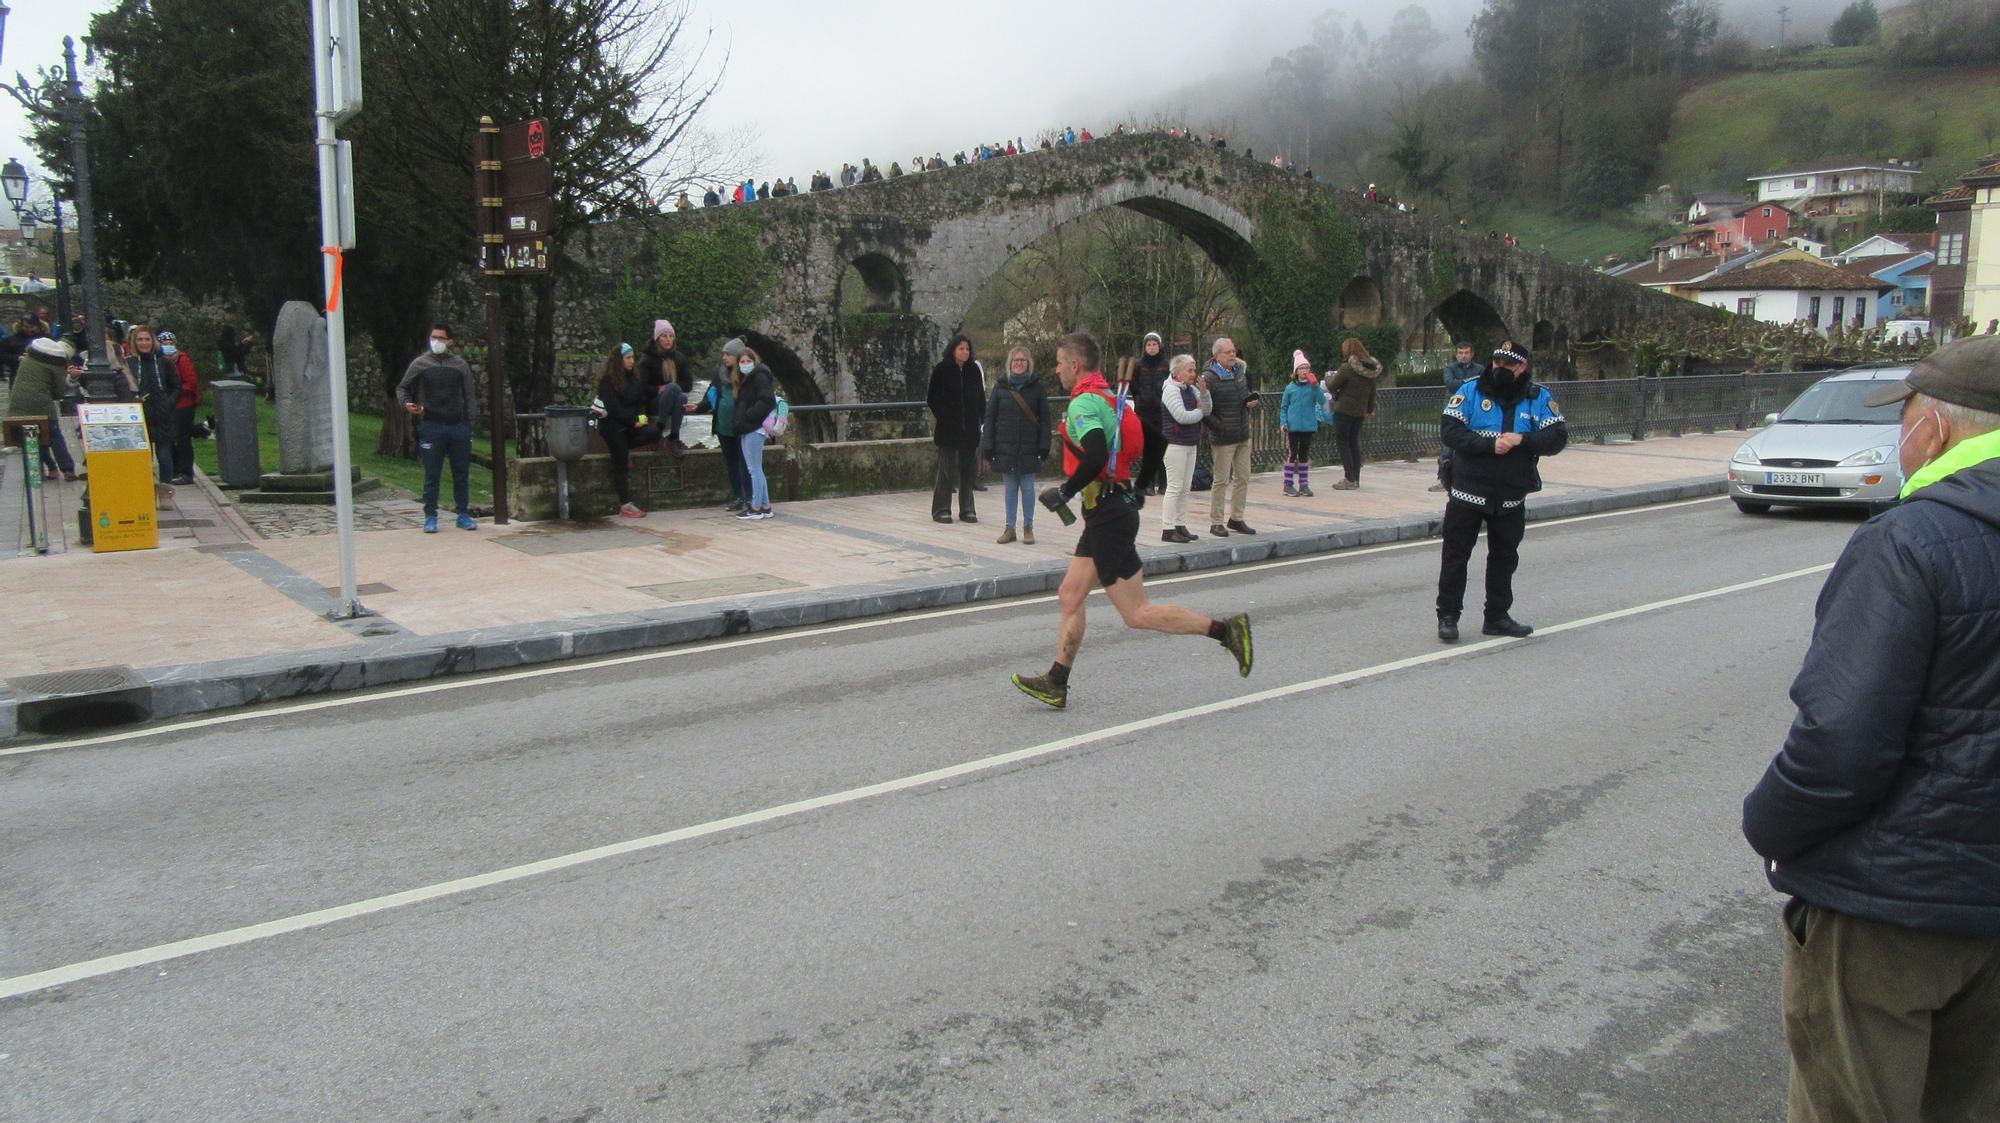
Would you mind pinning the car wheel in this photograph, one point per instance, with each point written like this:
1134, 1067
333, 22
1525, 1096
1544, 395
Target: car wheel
1752, 508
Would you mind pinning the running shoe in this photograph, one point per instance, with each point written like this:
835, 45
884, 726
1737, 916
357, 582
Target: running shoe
1043, 689
1236, 637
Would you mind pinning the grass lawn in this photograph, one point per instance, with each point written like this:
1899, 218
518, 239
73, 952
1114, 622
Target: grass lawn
1729, 128
1573, 239
363, 431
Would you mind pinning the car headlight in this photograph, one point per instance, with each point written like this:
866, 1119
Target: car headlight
1869, 456
1745, 455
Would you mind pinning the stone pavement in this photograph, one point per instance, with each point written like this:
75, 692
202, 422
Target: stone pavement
222, 616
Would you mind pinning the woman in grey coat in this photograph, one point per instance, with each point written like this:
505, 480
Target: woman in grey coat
1016, 441
40, 384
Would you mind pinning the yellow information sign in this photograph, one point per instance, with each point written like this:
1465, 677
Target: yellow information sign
120, 461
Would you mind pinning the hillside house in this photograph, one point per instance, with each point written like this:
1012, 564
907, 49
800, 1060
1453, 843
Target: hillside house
1791, 292
1705, 206
1801, 242
1954, 226
1881, 245
1911, 276
1841, 186
1748, 226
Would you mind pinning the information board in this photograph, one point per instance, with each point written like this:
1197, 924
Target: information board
120, 461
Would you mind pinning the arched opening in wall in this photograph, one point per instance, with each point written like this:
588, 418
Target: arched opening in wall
1145, 265
1360, 303
873, 283
1467, 317
1544, 337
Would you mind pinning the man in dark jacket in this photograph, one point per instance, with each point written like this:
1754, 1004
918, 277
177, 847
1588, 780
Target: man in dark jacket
437, 391
957, 398
1881, 815
1460, 370
1498, 428
1234, 395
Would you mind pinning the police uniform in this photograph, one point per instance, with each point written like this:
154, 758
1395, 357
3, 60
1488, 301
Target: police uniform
1110, 513
1489, 489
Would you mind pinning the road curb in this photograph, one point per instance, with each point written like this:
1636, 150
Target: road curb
396, 660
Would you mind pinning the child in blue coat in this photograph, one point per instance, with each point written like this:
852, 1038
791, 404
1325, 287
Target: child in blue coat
1298, 417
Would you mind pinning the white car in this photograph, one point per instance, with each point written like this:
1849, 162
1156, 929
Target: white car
1825, 449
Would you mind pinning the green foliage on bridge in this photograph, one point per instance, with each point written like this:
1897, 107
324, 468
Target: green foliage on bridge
1306, 252
708, 277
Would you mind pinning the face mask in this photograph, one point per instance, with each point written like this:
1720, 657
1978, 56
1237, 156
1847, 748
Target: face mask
1914, 431
746, 366
169, 350
439, 346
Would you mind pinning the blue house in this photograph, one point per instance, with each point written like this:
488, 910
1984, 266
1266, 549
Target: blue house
1910, 299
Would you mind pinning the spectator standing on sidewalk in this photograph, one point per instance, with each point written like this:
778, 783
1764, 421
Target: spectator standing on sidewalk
1184, 402
1460, 370
157, 379
1298, 419
437, 391
719, 400
756, 399
184, 406
1228, 422
621, 405
1353, 388
664, 371
1149, 377
1498, 429
1881, 814
39, 386
957, 400
1016, 441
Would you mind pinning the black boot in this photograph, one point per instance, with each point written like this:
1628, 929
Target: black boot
1507, 626
1447, 628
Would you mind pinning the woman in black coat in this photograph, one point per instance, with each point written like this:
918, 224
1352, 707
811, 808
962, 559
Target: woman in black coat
1018, 424
622, 401
957, 398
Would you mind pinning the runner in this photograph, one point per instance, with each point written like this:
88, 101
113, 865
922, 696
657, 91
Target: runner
1102, 441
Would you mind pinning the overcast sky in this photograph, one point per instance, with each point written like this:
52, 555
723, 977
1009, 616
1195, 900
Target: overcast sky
813, 83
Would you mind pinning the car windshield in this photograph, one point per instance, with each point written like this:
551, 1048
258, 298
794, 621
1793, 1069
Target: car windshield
1839, 403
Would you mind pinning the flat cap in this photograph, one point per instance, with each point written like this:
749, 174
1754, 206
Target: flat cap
1964, 372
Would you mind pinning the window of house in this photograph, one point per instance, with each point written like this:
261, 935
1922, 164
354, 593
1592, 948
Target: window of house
1767, 212
1860, 312
1812, 315
1746, 306
1951, 250
1799, 184
1839, 309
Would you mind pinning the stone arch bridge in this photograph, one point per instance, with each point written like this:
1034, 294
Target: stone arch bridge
925, 246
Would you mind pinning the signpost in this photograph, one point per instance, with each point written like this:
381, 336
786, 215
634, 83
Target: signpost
337, 88
512, 187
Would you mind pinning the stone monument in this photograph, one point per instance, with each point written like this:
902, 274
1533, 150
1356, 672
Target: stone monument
299, 376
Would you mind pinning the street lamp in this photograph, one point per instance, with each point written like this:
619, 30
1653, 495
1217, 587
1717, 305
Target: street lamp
14, 177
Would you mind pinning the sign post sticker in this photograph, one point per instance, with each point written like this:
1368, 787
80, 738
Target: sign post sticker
538, 139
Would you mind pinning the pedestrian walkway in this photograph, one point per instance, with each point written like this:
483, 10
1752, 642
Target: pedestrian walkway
221, 592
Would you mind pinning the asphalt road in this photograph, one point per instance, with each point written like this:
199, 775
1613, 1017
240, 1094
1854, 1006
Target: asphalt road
1495, 885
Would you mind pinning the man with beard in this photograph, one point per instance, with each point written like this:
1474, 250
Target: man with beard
1498, 427
1101, 440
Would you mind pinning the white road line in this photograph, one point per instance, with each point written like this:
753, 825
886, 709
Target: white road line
569, 667
179, 949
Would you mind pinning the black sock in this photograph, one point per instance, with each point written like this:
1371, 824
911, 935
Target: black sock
1218, 631
1059, 674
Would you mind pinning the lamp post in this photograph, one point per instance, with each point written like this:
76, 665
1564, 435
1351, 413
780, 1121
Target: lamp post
70, 110
14, 180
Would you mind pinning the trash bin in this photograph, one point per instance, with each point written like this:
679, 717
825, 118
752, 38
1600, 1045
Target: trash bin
236, 452
567, 430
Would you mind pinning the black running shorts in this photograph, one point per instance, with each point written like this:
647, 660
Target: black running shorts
1110, 540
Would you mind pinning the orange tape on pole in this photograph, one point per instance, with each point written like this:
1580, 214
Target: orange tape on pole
339, 270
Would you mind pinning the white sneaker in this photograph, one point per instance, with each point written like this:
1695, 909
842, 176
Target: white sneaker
747, 515
765, 513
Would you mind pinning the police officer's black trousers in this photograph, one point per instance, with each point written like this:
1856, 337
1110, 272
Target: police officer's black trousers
1504, 529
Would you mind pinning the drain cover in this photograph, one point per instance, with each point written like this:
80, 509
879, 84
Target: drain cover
65, 701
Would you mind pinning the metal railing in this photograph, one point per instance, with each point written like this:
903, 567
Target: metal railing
1406, 422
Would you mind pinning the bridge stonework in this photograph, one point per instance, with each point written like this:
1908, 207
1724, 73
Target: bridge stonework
925, 246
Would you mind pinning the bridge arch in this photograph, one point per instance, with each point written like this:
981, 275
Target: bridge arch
1360, 303
873, 282
1467, 316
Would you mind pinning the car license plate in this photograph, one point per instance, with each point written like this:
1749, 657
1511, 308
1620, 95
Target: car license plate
1797, 479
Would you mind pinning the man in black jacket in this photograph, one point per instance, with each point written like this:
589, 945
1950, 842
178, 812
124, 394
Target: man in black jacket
1460, 370
1881, 815
1498, 429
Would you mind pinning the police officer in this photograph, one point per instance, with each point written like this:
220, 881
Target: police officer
1497, 427
1102, 442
